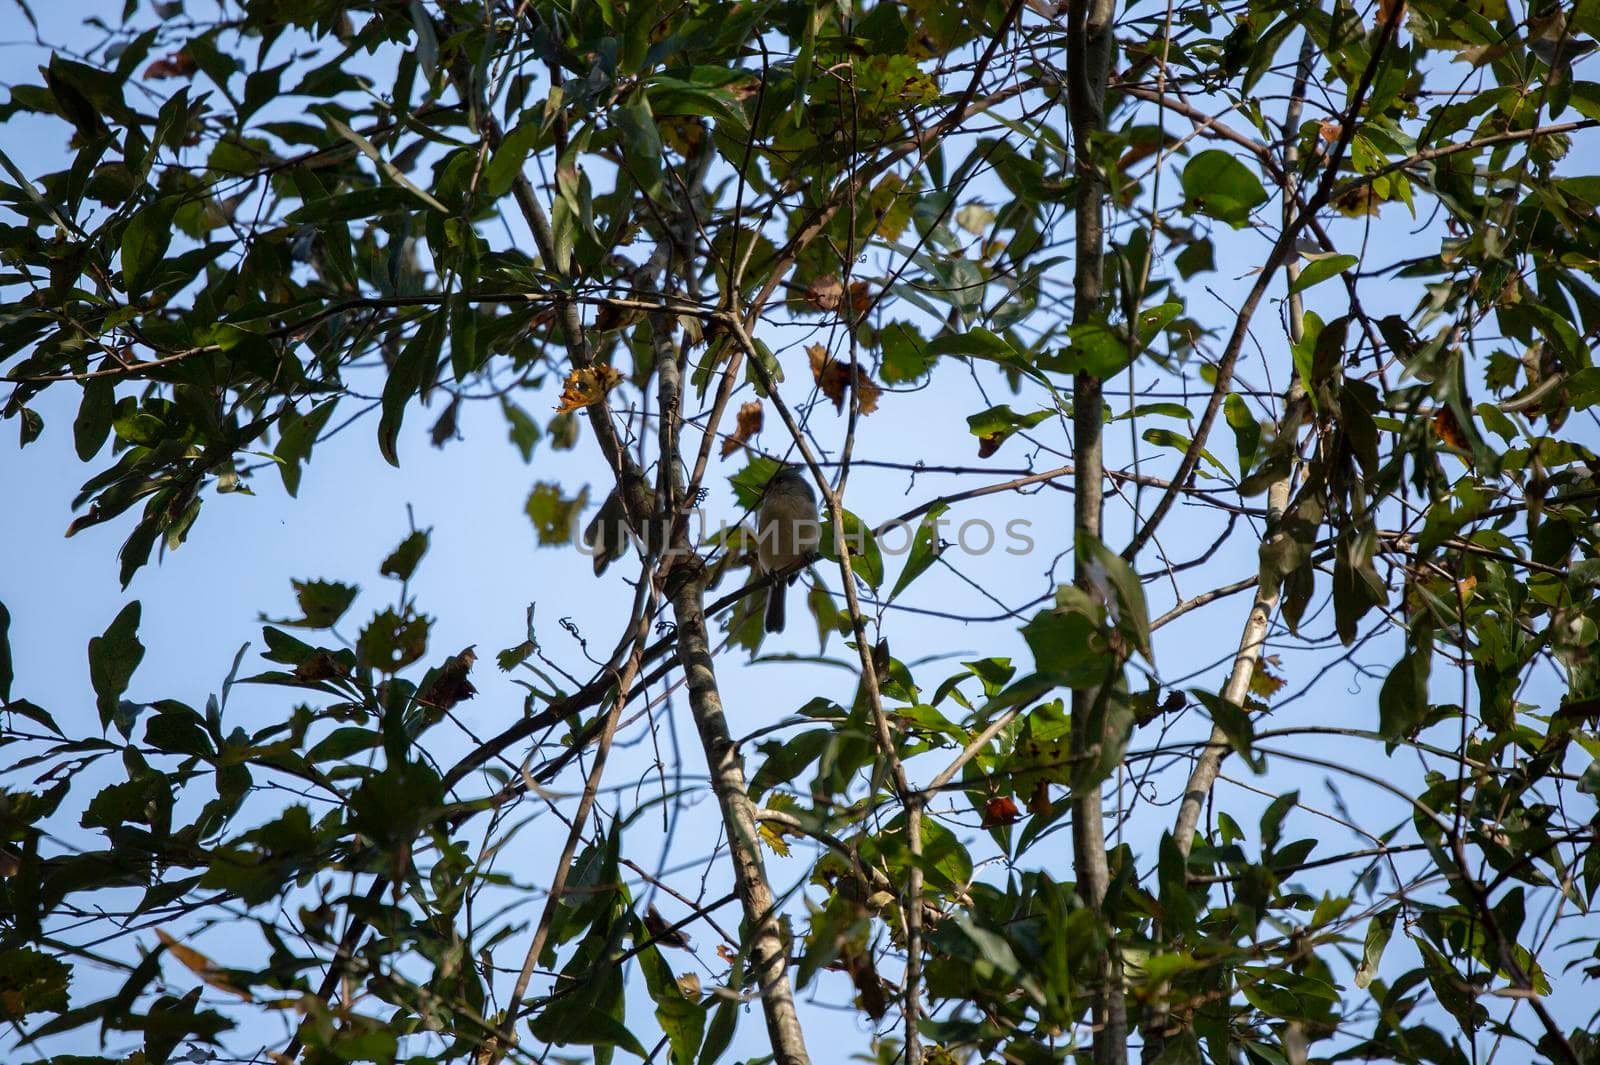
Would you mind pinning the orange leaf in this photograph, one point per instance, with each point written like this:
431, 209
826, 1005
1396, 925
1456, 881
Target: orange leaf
200, 965
1039, 801
1449, 429
1000, 810
748, 425
860, 298
176, 65
587, 387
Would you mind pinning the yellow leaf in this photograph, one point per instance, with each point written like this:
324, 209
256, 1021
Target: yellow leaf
587, 387
772, 836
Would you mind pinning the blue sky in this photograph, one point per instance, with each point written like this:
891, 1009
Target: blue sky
200, 604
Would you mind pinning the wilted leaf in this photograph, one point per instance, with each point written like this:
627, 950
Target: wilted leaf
975, 218
747, 425
177, 65
201, 966
1449, 429
834, 377
1263, 681
450, 685
661, 933
586, 387
1000, 810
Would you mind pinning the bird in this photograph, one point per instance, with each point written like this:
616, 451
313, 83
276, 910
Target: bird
608, 533
786, 533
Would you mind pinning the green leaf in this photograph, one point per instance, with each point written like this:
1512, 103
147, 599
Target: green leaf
505, 166
1246, 430
995, 425
1133, 617
979, 343
341, 743
350, 206
866, 562
7, 673
1235, 724
402, 561
95, 413
924, 550
1177, 905
390, 641
113, 656
684, 1022
906, 356
719, 1033
554, 516
32, 982
523, 431
1379, 930
1217, 185
392, 172
641, 146
1319, 270
1403, 700
412, 372
145, 243
322, 603
297, 435
577, 1021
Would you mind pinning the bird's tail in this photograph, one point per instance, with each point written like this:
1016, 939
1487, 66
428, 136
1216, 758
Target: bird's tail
775, 597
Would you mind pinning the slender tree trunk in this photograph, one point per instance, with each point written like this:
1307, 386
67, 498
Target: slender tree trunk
1203, 776
1089, 47
768, 955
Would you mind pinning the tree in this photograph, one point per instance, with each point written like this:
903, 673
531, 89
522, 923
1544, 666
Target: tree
718, 238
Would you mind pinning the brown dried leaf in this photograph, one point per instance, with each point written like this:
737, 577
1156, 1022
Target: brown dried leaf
176, 65
1000, 810
747, 425
451, 686
324, 665
610, 316
860, 298
833, 377
1449, 429
1359, 201
201, 966
663, 934
587, 387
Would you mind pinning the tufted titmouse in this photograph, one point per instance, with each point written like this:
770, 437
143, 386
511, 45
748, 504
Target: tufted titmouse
786, 533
